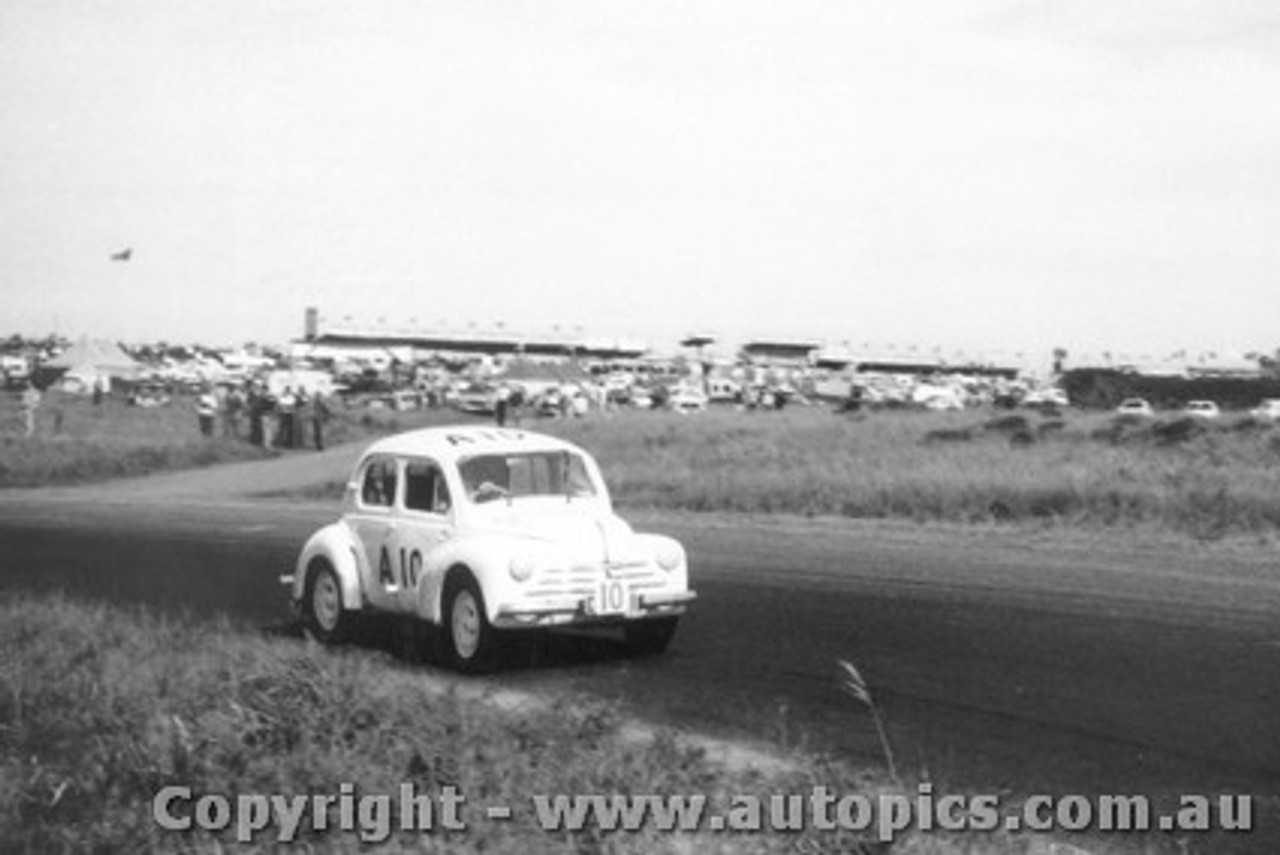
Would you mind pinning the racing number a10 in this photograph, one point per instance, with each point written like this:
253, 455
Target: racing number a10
611, 597
410, 568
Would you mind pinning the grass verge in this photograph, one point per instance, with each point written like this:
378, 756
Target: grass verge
100, 708
1092, 471
77, 442
1203, 480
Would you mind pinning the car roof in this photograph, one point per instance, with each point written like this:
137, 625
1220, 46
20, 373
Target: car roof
452, 443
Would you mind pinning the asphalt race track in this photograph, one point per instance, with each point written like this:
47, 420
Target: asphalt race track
1001, 661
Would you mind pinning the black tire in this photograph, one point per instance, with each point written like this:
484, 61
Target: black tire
650, 637
323, 615
470, 641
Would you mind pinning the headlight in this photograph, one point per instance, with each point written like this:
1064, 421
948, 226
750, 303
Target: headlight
521, 568
668, 558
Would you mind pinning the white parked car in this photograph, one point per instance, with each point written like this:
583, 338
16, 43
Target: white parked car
688, 401
1050, 396
1202, 410
1135, 407
1268, 409
483, 532
476, 400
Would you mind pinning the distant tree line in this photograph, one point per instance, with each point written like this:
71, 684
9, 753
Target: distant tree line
1105, 388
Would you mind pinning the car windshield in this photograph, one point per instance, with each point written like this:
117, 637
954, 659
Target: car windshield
544, 473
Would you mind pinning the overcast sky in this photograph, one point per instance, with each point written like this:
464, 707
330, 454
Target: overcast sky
959, 173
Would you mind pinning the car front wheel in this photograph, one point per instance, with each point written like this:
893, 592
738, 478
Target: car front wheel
469, 639
650, 637
323, 615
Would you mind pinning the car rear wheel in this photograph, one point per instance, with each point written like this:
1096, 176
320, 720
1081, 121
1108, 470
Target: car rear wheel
323, 615
650, 637
469, 639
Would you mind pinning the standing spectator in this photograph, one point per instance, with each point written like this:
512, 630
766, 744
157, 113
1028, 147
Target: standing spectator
285, 406
98, 391
219, 391
514, 404
501, 399
30, 404
853, 402
206, 411
301, 419
256, 402
234, 406
319, 415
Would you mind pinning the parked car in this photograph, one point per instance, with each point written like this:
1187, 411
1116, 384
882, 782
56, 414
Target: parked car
1267, 410
149, 395
1202, 410
483, 532
687, 401
1135, 407
1050, 396
406, 399
476, 400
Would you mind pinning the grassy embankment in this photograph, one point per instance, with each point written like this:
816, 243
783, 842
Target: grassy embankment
100, 708
980, 466
76, 442
1207, 481
956, 467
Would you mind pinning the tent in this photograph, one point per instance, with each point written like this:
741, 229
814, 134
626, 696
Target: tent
89, 362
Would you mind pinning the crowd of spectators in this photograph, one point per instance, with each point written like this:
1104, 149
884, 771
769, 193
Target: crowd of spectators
294, 418
266, 398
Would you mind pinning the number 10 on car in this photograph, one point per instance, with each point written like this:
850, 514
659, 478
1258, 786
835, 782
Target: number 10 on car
611, 598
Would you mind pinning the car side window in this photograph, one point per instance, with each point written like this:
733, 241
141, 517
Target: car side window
379, 486
425, 488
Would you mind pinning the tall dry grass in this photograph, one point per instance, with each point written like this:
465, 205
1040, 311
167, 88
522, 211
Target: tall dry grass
1081, 470
975, 466
101, 708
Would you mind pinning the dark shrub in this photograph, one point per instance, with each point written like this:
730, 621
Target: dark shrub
1248, 424
1177, 431
1009, 424
1022, 438
1122, 429
1049, 428
948, 435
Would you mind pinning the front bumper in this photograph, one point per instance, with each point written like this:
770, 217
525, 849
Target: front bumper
581, 611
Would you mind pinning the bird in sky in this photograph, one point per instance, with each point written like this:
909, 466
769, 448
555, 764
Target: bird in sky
123, 255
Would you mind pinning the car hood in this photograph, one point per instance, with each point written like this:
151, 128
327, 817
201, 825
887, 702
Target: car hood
585, 532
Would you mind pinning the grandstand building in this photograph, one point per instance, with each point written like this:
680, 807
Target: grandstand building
469, 342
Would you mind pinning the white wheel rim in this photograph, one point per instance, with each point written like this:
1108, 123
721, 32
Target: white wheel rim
466, 625
326, 602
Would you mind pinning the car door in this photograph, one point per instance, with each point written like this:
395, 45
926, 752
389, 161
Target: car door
426, 523
375, 520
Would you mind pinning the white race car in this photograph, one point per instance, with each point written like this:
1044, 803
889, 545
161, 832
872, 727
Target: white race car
481, 531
